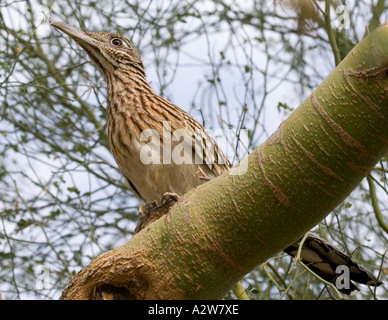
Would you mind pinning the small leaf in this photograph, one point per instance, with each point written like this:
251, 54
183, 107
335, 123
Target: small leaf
73, 189
285, 106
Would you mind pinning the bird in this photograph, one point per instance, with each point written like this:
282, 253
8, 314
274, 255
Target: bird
139, 122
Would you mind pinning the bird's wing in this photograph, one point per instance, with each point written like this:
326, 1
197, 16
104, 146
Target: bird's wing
207, 152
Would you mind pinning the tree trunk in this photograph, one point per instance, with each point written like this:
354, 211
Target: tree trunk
223, 229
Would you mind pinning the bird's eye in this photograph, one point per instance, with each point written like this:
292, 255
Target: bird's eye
116, 42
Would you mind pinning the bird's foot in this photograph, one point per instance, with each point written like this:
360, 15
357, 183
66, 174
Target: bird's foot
152, 211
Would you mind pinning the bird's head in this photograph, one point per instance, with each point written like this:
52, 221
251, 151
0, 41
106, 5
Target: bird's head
109, 51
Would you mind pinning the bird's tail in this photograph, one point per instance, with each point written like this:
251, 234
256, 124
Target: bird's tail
323, 259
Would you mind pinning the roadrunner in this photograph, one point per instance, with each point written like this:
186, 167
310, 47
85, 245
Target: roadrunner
138, 119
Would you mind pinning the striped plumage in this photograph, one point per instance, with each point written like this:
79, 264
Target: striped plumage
135, 109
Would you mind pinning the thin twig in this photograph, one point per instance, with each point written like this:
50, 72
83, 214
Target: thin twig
375, 204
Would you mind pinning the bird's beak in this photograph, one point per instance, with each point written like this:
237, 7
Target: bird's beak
79, 36
93, 47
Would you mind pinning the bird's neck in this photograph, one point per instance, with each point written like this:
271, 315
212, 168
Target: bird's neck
127, 89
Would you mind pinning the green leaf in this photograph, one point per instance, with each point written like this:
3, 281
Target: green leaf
285, 106
73, 189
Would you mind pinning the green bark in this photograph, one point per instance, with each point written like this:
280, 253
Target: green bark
223, 229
